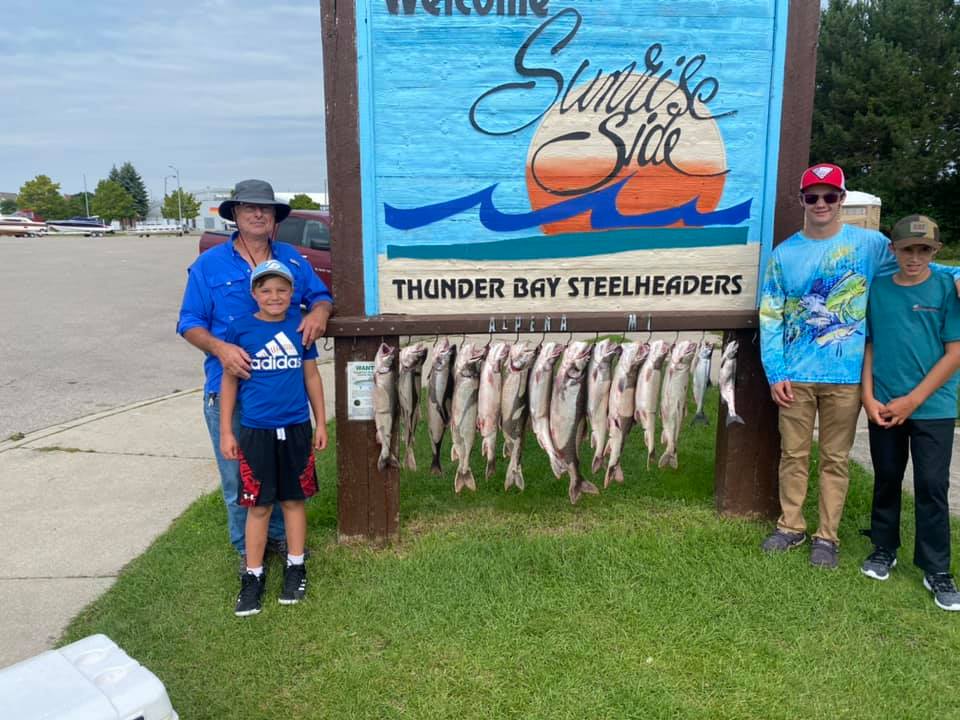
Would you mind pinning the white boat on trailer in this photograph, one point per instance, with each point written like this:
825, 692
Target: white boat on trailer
19, 226
79, 225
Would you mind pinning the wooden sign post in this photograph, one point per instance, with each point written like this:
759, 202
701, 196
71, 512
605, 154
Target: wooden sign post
537, 166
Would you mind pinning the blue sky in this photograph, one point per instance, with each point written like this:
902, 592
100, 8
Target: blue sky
221, 89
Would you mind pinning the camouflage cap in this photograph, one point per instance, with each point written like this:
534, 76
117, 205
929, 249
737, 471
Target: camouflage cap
915, 229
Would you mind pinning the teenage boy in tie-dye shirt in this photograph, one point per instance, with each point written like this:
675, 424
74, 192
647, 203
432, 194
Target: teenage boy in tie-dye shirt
812, 311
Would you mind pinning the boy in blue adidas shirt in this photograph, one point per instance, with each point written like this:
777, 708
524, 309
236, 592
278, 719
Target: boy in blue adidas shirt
276, 441
910, 396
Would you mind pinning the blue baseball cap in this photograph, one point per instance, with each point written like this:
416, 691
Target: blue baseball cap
270, 267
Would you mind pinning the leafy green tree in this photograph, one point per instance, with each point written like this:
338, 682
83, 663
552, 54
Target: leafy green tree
8, 206
130, 179
42, 195
189, 204
112, 202
301, 201
76, 204
887, 103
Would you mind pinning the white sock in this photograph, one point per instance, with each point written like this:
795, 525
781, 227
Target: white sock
294, 559
258, 571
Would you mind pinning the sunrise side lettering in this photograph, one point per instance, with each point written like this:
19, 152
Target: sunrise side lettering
650, 98
508, 8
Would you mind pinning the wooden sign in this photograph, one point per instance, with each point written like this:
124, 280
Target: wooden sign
555, 156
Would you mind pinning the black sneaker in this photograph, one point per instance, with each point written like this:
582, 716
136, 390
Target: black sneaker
294, 584
823, 553
879, 564
944, 590
780, 541
250, 599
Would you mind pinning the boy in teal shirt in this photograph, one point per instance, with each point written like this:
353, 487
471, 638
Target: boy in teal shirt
910, 396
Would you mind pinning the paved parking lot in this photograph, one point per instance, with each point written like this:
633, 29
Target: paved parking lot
90, 325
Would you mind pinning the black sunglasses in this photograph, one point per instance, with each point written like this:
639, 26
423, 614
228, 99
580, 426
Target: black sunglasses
811, 198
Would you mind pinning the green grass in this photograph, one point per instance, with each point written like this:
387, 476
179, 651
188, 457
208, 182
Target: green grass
639, 603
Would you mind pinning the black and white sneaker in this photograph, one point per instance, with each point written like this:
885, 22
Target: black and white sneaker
944, 590
879, 563
250, 599
294, 584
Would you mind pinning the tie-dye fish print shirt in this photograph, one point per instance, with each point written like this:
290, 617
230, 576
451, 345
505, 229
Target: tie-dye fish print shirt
814, 302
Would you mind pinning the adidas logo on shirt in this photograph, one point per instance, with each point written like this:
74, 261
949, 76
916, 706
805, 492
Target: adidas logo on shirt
278, 354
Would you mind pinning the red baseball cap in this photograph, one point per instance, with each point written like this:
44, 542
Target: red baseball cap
823, 174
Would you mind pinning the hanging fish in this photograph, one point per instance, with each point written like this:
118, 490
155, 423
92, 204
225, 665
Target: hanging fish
439, 395
514, 411
408, 395
568, 410
621, 406
728, 381
488, 403
385, 404
541, 384
463, 411
673, 399
647, 399
701, 378
599, 378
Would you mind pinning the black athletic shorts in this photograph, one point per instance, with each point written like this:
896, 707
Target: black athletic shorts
276, 464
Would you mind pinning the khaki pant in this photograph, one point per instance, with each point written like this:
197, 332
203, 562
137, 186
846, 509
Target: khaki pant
838, 406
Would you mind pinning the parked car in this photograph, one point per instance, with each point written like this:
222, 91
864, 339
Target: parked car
307, 230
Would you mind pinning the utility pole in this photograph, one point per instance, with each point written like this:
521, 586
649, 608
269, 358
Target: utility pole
179, 197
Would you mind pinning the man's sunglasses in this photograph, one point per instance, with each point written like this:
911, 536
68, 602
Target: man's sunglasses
811, 198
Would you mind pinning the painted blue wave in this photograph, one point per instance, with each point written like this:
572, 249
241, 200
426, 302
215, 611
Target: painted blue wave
602, 203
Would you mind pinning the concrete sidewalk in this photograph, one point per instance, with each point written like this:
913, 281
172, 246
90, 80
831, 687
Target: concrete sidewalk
86, 497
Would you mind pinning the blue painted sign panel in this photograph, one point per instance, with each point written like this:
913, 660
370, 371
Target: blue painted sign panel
614, 154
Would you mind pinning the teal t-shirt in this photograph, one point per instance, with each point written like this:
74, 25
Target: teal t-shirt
908, 327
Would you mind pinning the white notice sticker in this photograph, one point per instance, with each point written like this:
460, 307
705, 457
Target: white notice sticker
360, 390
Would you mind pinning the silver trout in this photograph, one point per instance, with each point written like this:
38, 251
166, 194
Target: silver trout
728, 381
621, 407
488, 403
673, 399
648, 394
439, 394
541, 384
599, 378
463, 411
568, 410
385, 404
701, 379
408, 395
514, 411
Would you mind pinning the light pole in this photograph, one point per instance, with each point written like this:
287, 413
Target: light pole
179, 196
165, 190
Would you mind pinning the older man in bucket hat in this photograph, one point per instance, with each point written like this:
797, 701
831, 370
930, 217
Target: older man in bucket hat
217, 292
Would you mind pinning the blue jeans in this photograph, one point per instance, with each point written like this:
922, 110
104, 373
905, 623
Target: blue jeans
230, 479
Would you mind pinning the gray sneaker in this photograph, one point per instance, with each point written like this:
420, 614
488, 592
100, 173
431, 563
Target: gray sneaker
944, 590
780, 541
823, 553
879, 563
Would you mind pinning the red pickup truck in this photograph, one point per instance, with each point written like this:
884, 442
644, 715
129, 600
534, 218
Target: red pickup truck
306, 230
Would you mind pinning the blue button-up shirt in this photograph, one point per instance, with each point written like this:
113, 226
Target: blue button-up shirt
218, 291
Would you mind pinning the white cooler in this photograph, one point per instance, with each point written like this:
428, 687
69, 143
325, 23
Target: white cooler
91, 679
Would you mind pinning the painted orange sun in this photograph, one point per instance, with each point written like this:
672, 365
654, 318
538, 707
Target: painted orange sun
692, 145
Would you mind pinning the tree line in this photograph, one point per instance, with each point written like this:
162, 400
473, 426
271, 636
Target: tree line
887, 104
121, 196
